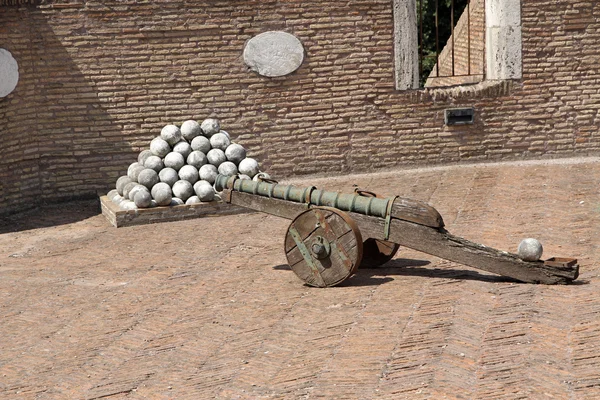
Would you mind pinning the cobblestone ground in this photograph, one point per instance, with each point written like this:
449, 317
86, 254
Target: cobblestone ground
207, 308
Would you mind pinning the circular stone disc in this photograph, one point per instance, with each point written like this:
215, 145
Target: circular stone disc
274, 53
9, 73
337, 233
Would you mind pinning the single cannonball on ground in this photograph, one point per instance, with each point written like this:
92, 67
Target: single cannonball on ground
261, 176
219, 141
201, 143
161, 192
216, 157
174, 160
168, 176
226, 134
193, 200
208, 173
204, 191
142, 199
176, 201
530, 249
197, 159
137, 188
155, 163
183, 190
227, 168
128, 205
210, 126
248, 166
121, 182
127, 188
183, 148
148, 177
235, 153
159, 147
171, 134
189, 173
190, 129
143, 156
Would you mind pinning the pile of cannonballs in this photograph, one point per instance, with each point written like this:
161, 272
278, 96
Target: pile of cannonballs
181, 166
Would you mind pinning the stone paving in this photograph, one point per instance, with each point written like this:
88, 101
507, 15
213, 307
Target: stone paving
208, 308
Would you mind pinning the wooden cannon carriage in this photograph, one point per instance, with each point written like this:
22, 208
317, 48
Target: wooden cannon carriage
333, 234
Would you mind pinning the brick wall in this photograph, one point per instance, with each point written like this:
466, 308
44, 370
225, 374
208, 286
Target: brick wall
100, 78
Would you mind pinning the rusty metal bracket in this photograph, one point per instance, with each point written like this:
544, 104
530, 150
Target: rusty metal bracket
388, 217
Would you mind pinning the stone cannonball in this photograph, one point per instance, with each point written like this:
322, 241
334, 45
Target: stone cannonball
216, 157
219, 141
204, 191
210, 126
197, 159
143, 156
190, 129
171, 134
189, 173
244, 177
530, 249
142, 199
193, 200
225, 133
176, 201
168, 176
227, 168
183, 190
118, 199
248, 166
137, 188
235, 153
155, 163
127, 188
162, 194
260, 176
183, 148
174, 160
128, 205
111, 194
131, 167
200, 143
135, 172
159, 147
148, 177
208, 173
121, 182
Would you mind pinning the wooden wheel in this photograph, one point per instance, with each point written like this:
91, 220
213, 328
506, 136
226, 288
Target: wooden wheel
377, 252
323, 246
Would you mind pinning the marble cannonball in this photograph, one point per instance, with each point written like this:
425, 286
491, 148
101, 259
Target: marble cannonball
189, 173
155, 163
190, 129
142, 199
127, 188
197, 159
137, 188
148, 177
210, 126
183, 190
159, 147
530, 249
248, 166
171, 134
208, 173
219, 141
127, 205
204, 191
183, 148
168, 176
121, 182
162, 194
174, 160
111, 194
216, 157
193, 200
131, 167
235, 153
143, 156
201, 143
176, 201
227, 168
244, 177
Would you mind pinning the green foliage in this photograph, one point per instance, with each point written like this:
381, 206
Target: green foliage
426, 12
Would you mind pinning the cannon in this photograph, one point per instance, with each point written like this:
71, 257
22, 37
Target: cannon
333, 234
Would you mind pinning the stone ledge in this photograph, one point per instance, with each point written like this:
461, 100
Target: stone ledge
120, 218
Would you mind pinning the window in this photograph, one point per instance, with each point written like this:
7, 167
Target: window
454, 42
